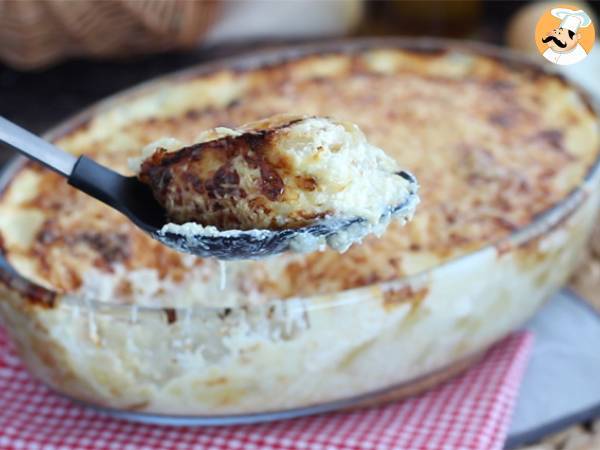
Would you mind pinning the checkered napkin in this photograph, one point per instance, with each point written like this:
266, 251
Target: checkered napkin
471, 412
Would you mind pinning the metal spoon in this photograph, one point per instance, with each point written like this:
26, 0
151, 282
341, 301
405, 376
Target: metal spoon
135, 200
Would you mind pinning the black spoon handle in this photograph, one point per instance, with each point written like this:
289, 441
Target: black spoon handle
83, 173
36, 148
125, 194
99, 181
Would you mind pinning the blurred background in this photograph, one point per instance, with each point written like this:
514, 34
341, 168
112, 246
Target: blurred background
58, 56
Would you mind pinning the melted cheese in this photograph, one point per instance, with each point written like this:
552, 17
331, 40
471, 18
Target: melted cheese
492, 146
281, 172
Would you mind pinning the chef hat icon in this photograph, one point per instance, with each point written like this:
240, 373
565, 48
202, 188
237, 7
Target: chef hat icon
572, 20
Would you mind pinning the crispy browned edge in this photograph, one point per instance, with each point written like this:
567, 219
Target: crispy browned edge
271, 183
38, 295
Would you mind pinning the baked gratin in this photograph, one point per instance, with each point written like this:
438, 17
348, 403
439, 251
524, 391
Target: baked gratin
279, 173
491, 147
505, 155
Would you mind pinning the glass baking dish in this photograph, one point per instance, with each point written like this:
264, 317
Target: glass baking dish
287, 358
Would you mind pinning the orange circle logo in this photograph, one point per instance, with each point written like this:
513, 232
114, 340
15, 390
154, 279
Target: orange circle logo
565, 35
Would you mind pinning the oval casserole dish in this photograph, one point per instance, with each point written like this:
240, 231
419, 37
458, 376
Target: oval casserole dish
506, 153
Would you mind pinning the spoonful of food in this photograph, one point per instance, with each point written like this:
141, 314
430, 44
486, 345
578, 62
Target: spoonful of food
287, 183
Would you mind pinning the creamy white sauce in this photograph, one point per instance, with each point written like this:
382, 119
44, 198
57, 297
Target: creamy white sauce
307, 243
303, 242
223, 275
192, 231
133, 313
91, 317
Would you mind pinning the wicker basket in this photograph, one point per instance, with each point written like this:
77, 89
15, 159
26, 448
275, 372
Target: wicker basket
35, 33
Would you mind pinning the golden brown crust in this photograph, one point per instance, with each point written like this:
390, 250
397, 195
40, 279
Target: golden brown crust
279, 172
492, 147
201, 182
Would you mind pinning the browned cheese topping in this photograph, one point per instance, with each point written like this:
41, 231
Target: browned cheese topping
279, 172
492, 147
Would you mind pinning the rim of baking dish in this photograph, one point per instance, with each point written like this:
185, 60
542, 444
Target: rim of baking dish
543, 222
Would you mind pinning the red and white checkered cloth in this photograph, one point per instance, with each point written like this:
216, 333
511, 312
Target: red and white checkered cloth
469, 413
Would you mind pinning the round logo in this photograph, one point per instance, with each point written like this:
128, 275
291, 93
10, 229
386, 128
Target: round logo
565, 35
